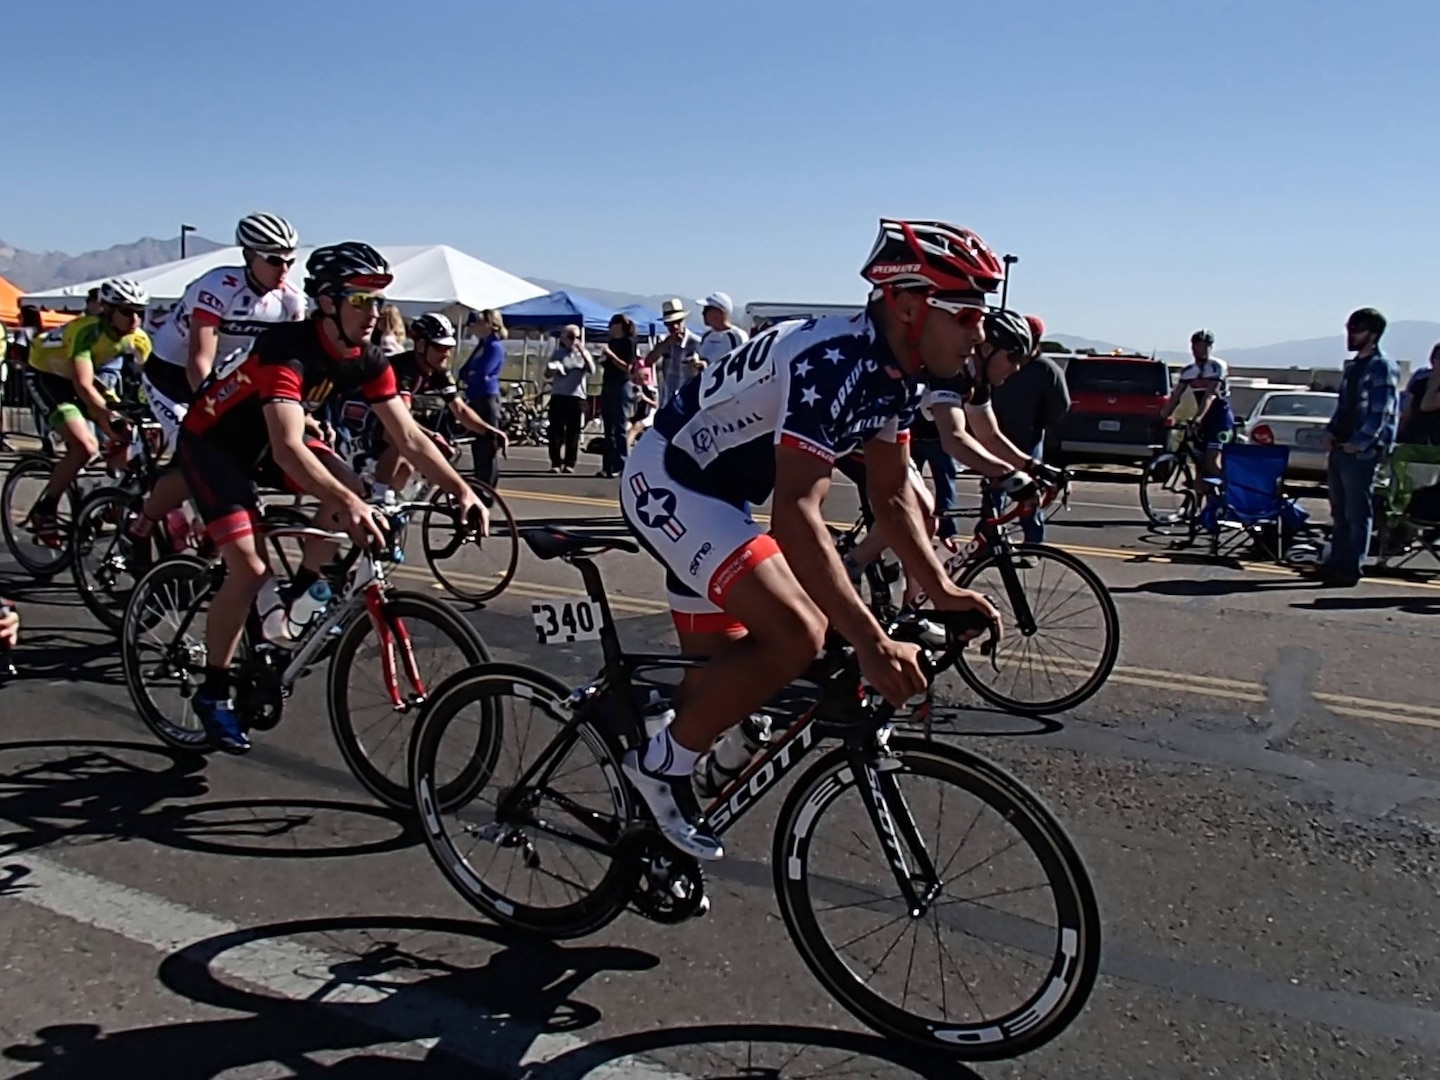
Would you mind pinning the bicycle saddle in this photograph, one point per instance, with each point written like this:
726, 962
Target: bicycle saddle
554, 542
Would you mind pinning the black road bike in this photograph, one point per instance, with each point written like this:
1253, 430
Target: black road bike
929, 891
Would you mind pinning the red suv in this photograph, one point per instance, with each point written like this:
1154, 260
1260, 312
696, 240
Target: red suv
1115, 405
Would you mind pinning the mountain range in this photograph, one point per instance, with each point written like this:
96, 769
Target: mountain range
30, 270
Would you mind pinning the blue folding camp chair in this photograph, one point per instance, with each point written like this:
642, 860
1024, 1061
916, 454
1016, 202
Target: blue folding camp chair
1248, 504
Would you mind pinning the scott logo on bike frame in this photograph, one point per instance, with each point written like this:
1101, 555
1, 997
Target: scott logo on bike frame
750, 787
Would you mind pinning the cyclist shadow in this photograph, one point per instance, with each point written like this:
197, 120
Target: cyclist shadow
70, 792
75, 654
458, 998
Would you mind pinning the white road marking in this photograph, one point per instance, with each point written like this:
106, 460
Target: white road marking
416, 1017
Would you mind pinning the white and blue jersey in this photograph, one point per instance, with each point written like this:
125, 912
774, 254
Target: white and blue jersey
823, 386
1211, 378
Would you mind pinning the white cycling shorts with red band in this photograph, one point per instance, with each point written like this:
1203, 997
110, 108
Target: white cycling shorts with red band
705, 544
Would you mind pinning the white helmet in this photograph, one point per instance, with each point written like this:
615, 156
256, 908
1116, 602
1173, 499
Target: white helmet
266, 234
124, 293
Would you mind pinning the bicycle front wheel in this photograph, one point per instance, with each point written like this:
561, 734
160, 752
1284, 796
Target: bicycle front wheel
423, 643
1167, 491
1006, 895
544, 856
474, 568
1072, 647
101, 563
162, 648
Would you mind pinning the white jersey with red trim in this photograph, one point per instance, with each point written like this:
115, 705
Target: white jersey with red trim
825, 386
1211, 375
223, 298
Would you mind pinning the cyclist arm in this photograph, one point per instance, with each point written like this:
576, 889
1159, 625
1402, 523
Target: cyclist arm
980, 420
1176, 396
951, 421
285, 423
417, 447
897, 513
802, 480
84, 378
469, 418
204, 344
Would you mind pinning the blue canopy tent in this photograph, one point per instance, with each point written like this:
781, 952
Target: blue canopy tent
647, 321
557, 309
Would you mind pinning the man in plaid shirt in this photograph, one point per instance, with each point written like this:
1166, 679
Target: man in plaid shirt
1358, 437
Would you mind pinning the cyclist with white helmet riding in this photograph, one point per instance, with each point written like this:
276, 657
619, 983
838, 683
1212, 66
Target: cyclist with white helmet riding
249, 429
219, 317
64, 372
425, 369
1208, 380
769, 422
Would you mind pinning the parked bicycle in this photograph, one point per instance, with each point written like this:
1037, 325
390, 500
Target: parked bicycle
368, 632
527, 814
1171, 493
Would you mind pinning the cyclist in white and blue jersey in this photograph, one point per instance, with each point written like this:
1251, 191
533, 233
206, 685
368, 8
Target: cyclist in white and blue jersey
1208, 379
769, 422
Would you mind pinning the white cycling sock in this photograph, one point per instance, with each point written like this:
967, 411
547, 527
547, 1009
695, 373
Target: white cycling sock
665, 756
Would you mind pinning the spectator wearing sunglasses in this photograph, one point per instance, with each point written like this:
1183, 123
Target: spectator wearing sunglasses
213, 327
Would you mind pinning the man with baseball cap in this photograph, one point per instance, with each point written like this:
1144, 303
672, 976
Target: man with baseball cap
677, 356
721, 337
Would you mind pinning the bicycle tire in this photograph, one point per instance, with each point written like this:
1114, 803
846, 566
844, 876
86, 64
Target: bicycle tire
488, 685
1161, 472
1100, 671
101, 599
21, 545
442, 540
404, 606
1062, 990
183, 575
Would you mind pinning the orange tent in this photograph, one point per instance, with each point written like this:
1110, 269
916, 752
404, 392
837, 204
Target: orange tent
10, 309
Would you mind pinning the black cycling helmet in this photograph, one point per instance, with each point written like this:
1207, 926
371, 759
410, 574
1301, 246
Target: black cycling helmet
1009, 331
1202, 335
434, 328
351, 265
1366, 319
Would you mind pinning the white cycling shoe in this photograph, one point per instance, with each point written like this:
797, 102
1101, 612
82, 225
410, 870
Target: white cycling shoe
672, 803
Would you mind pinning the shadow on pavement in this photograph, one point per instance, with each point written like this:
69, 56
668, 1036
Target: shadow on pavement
69, 792
72, 653
1198, 587
1410, 605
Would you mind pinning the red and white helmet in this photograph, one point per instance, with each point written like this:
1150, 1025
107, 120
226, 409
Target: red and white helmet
931, 255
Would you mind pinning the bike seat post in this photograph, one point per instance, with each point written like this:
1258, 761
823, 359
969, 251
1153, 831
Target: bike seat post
595, 590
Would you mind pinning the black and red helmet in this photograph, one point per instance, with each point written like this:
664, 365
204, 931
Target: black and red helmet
351, 265
931, 255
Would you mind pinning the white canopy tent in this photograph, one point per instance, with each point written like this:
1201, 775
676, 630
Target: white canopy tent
428, 277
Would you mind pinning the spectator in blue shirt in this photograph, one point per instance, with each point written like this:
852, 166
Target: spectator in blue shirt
1359, 435
481, 376
1419, 424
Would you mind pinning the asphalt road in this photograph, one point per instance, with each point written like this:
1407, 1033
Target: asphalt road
1256, 793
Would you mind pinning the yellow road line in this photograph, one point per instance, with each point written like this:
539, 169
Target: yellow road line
1121, 554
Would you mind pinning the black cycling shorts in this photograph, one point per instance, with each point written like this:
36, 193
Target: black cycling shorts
226, 489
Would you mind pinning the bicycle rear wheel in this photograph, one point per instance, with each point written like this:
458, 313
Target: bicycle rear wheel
471, 568
24, 485
162, 648
1011, 889
545, 858
1076, 639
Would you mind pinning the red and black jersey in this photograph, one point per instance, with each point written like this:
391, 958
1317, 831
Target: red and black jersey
411, 380
291, 362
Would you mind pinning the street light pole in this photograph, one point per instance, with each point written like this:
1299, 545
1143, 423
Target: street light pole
184, 230
1010, 261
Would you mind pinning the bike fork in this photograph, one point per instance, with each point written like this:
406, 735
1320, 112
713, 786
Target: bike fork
390, 631
895, 826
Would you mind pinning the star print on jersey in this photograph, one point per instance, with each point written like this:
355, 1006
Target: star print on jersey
655, 507
809, 397
833, 355
803, 368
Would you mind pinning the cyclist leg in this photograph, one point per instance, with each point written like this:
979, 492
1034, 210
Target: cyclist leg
168, 397
736, 599
67, 418
317, 552
228, 503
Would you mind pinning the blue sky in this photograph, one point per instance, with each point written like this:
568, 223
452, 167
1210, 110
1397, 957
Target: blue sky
1260, 168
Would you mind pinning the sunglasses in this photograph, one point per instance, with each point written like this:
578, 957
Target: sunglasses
278, 261
362, 299
968, 313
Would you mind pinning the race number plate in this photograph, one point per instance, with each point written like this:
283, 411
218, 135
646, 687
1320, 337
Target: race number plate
565, 621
